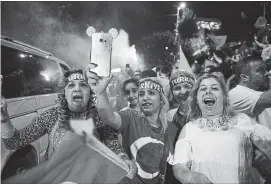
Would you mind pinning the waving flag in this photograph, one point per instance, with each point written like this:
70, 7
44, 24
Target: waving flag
79, 159
219, 41
260, 23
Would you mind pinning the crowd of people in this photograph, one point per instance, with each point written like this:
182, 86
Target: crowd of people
208, 125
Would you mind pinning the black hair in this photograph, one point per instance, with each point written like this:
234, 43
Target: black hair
166, 70
243, 66
63, 109
131, 80
148, 73
68, 73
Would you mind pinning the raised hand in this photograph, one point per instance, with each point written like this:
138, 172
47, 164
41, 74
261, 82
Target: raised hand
97, 83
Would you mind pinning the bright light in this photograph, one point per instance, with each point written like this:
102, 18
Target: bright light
182, 5
116, 70
46, 75
22, 55
166, 48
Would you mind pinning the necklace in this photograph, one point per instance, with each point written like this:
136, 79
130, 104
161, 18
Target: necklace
217, 124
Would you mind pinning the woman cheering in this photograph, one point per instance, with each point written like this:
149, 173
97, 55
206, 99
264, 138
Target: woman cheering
216, 146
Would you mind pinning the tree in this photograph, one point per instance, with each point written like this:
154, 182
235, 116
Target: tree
158, 48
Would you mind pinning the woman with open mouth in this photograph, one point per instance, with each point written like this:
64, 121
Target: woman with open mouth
217, 145
143, 132
76, 102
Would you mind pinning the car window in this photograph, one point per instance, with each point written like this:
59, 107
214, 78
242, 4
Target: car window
26, 74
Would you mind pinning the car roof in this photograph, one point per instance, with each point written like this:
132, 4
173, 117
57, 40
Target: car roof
15, 44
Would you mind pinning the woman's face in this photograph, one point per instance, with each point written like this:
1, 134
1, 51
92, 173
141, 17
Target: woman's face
181, 91
77, 94
149, 100
210, 97
131, 93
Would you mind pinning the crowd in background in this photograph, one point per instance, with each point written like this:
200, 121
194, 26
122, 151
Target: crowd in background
208, 125
217, 61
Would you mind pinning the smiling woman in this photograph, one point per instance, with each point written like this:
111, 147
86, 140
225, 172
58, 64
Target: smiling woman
202, 150
210, 98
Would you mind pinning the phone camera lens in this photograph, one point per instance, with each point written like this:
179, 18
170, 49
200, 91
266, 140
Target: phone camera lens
101, 40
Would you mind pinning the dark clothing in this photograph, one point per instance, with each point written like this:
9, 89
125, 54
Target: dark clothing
174, 130
144, 143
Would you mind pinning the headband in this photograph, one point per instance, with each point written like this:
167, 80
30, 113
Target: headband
149, 84
76, 76
181, 79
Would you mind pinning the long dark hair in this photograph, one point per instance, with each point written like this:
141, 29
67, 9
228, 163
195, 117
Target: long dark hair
63, 109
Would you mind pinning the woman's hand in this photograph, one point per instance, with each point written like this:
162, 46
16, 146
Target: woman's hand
98, 84
198, 178
132, 168
131, 164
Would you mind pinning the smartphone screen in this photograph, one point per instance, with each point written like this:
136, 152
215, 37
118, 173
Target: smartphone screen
101, 51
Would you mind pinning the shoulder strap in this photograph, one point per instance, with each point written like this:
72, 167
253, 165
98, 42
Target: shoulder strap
163, 161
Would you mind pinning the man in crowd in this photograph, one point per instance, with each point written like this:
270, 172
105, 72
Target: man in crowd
253, 94
253, 97
164, 75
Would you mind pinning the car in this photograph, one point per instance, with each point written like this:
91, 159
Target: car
30, 78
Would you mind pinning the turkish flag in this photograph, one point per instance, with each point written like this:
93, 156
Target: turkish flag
78, 161
219, 41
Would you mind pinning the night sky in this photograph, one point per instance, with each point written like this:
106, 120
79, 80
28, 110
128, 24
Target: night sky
24, 20
141, 18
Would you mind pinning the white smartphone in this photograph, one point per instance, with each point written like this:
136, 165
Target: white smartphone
101, 52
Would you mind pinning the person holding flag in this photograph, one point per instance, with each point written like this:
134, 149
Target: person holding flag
76, 102
144, 136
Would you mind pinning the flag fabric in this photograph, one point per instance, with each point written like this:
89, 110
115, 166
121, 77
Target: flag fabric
219, 41
76, 161
260, 23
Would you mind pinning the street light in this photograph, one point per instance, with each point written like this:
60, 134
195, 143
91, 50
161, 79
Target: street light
182, 5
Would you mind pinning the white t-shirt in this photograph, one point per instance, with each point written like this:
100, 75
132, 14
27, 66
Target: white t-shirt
223, 156
244, 99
